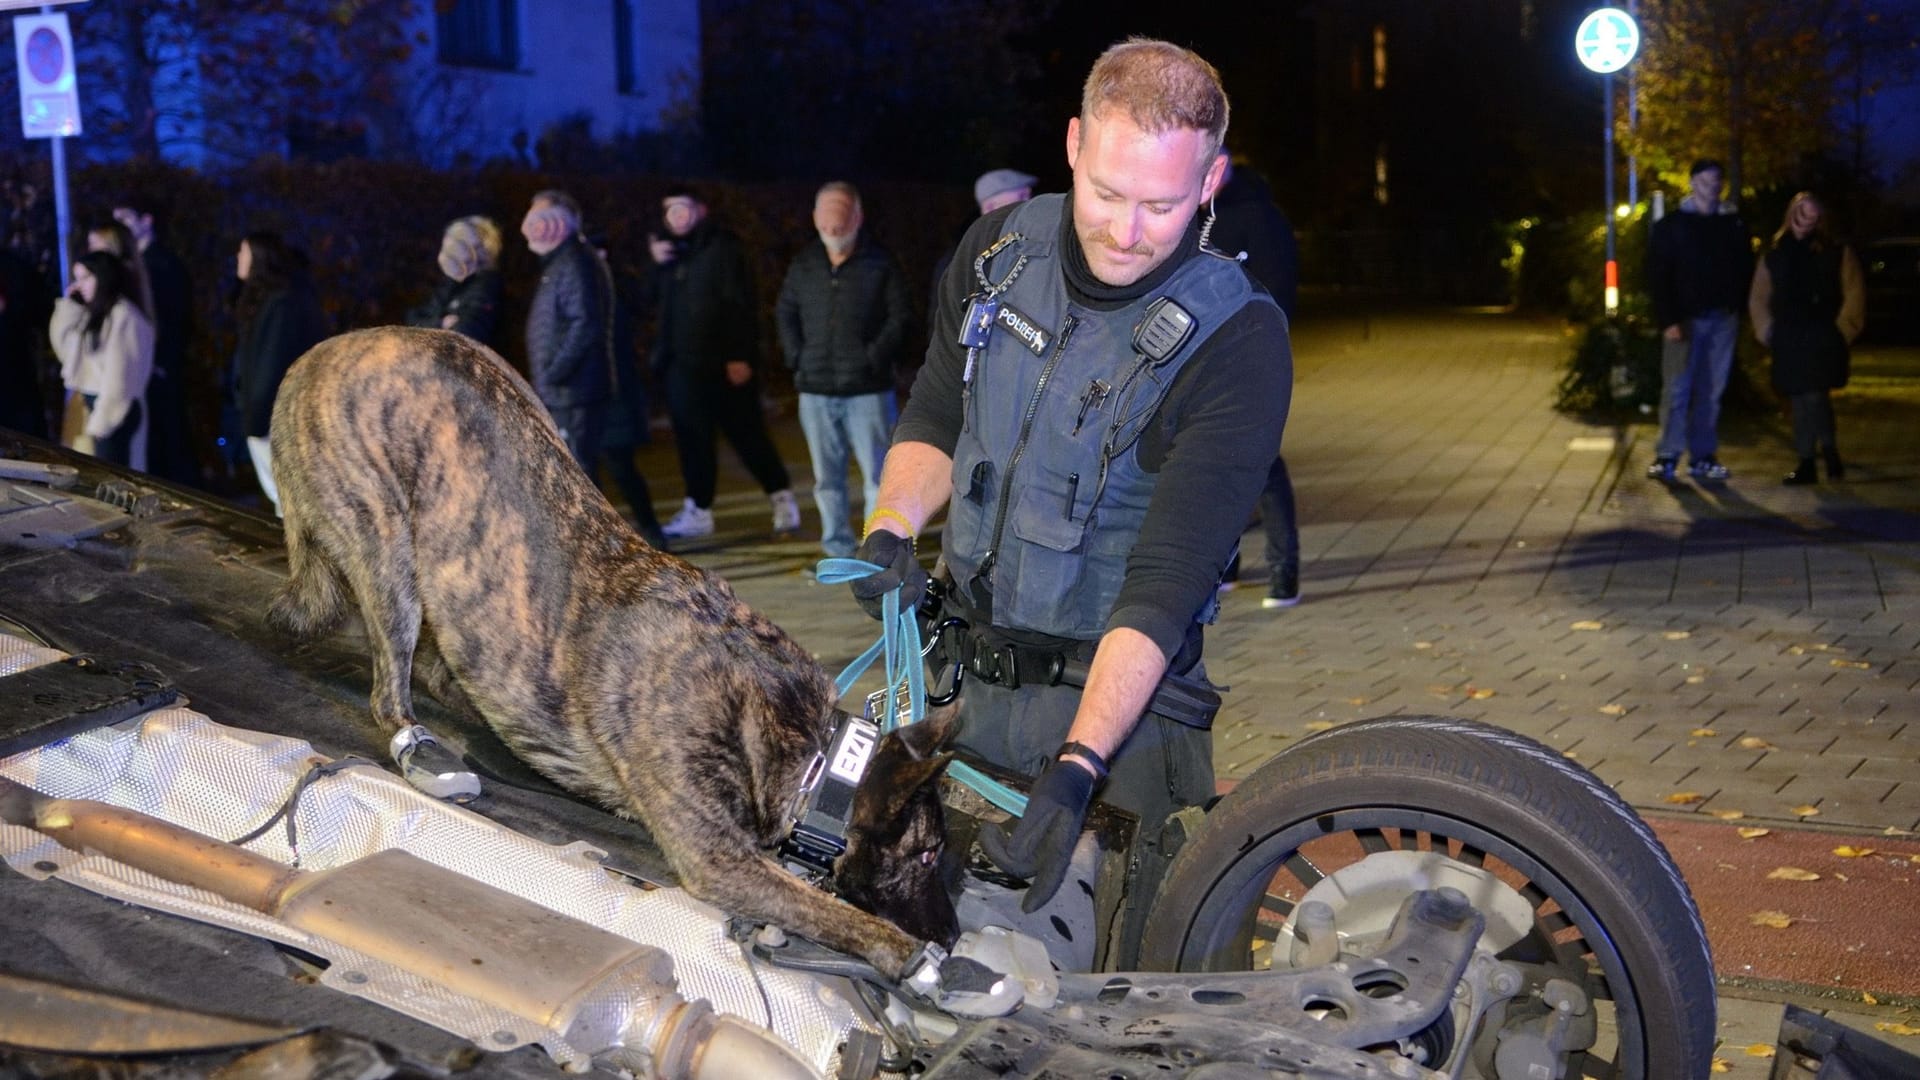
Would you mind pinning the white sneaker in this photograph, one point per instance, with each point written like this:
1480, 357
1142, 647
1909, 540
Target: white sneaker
786, 512
690, 522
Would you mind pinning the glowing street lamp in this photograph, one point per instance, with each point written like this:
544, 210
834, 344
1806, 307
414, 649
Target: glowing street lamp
1606, 42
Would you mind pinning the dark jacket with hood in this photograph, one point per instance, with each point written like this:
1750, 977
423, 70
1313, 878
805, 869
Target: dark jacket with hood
707, 312
843, 328
1698, 263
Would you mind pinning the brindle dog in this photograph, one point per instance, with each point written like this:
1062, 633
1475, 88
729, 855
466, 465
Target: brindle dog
421, 479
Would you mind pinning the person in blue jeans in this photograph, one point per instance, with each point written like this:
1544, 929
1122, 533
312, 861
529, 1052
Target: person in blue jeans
843, 317
1698, 268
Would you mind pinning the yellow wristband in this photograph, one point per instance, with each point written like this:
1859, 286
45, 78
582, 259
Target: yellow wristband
895, 515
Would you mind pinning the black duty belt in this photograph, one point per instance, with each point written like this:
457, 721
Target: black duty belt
991, 657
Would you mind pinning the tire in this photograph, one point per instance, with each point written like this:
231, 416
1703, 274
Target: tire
1608, 908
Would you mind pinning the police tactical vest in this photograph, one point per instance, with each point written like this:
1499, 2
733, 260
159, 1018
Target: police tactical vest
1048, 498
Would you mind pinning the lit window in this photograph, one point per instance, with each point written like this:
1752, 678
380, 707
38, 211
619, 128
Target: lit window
479, 33
1380, 175
1380, 58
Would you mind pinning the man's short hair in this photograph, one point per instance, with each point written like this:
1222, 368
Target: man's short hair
838, 187
141, 201
1161, 86
1703, 165
682, 191
561, 199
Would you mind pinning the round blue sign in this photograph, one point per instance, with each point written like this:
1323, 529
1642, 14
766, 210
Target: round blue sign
46, 58
1607, 40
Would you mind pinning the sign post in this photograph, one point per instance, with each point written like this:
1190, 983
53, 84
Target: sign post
1605, 43
49, 101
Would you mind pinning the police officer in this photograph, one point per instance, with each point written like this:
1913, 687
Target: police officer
1100, 402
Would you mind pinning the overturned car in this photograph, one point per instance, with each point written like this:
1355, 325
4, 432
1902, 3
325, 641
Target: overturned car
216, 867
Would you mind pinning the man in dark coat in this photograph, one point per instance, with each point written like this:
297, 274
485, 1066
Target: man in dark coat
706, 352
170, 447
569, 327
26, 302
1699, 265
843, 317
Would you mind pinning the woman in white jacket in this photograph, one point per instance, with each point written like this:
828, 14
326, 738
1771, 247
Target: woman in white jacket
105, 345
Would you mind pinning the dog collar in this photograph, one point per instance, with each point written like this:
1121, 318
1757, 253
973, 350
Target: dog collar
823, 806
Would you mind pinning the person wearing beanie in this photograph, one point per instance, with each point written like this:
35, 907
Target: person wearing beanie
467, 297
569, 328
706, 352
1699, 265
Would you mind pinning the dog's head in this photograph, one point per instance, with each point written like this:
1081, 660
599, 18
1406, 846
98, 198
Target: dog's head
894, 841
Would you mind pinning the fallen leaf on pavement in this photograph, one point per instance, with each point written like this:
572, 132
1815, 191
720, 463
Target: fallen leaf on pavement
1779, 920
1319, 725
1753, 834
1423, 644
1755, 742
1440, 689
1695, 680
1792, 873
1897, 1028
1570, 753
1848, 851
1588, 624
1760, 1050
1480, 693
1722, 1065
1685, 798
1728, 815
1895, 830
1797, 650
1860, 664
1676, 635
1869, 998
1702, 732
1614, 710
1807, 810
1356, 701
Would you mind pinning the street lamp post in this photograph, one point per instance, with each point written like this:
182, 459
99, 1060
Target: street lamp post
1605, 43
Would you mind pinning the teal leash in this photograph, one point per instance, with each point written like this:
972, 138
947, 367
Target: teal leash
900, 645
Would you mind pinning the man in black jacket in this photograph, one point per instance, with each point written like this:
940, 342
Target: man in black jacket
843, 321
569, 327
705, 351
1699, 265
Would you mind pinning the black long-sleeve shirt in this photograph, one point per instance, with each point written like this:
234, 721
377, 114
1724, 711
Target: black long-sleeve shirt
1210, 443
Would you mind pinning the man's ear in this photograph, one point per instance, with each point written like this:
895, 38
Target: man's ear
1216, 169
1073, 141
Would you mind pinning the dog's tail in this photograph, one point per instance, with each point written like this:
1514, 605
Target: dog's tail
313, 601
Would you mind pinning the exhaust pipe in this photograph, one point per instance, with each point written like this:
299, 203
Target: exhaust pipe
603, 995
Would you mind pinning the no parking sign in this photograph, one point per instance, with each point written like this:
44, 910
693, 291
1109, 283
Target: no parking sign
49, 97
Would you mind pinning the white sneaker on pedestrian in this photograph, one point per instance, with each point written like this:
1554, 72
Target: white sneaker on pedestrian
786, 512
690, 522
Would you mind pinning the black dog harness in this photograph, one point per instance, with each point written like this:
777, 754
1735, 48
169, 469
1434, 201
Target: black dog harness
823, 807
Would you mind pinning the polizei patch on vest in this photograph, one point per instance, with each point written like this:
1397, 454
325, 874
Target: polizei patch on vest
1024, 328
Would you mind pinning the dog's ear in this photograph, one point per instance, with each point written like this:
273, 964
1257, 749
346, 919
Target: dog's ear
933, 733
896, 778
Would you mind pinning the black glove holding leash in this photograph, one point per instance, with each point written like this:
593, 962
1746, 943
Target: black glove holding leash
894, 554
1041, 846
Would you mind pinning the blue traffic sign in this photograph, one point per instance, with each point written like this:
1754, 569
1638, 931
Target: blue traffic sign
1607, 40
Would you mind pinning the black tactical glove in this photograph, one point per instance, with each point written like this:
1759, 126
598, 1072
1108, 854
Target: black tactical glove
1042, 844
893, 553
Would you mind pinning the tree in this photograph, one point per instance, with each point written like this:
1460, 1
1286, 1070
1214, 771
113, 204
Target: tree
1761, 85
216, 79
